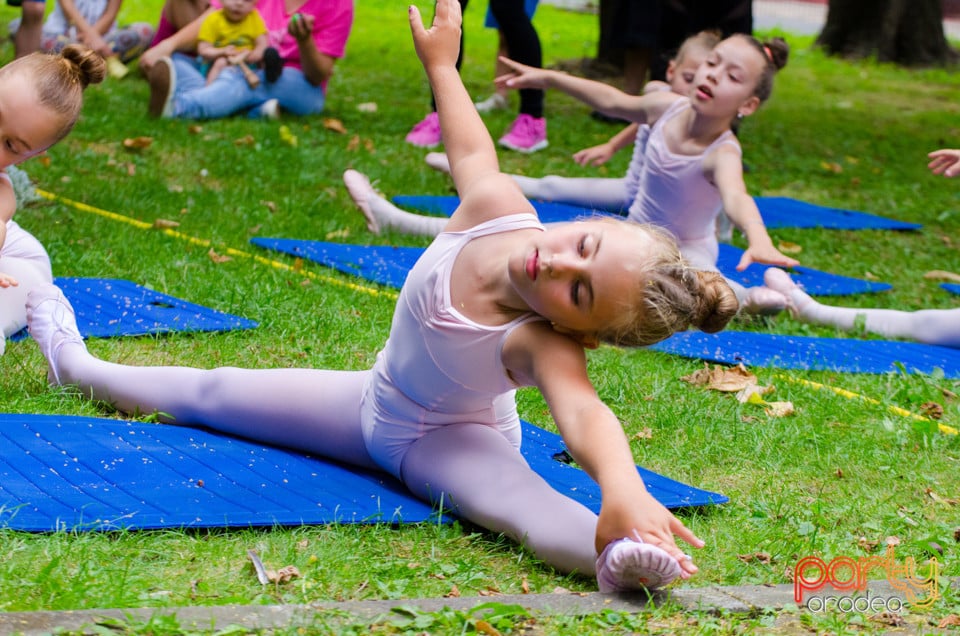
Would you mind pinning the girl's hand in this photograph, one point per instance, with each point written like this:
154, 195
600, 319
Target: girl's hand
640, 515
767, 254
521, 75
440, 44
945, 162
595, 155
7, 281
300, 26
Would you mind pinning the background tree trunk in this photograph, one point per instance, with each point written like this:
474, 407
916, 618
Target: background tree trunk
905, 32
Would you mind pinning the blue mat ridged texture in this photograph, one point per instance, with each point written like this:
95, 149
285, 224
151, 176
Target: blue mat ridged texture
84, 474
953, 288
777, 212
846, 355
108, 307
389, 265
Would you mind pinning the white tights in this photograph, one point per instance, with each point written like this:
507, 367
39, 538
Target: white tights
471, 467
929, 326
27, 262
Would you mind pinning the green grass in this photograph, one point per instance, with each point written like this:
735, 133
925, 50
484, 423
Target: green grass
813, 483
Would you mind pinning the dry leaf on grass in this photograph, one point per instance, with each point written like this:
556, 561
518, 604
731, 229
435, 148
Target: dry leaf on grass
949, 621
246, 140
331, 123
288, 137
367, 107
644, 433
137, 143
779, 409
789, 248
727, 379
453, 593
759, 557
483, 627
218, 258
283, 575
939, 274
164, 224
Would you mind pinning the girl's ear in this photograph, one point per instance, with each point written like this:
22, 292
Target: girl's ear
671, 69
749, 106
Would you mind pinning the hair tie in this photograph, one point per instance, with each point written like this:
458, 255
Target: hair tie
766, 49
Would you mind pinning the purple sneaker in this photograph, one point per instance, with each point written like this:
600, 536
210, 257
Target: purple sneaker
629, 564
426, 134
527, 134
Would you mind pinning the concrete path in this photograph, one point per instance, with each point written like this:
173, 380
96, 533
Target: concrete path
740, 600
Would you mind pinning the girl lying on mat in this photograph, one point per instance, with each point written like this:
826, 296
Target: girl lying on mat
40, 98
495, 303
690, 165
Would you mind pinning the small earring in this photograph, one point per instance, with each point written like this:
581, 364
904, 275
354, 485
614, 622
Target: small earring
739, 115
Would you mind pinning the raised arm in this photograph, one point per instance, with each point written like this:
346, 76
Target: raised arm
183, 40
484, 191
643, 109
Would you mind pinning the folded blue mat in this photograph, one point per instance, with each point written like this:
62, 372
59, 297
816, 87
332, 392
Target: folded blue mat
81, 474
953, 288
776, 212
108, 307
846, 355
388, 265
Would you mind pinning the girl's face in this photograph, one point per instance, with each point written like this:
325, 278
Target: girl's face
681, 72
724, 84
27, 128
578, 275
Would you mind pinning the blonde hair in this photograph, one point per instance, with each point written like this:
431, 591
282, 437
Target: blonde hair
60, 80
704, 40
671, 296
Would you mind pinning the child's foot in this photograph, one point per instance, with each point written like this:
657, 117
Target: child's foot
52, 323
780, 281
163, 86
272, 65
629, 564
494, 102
426, 134
438, 161
763, 301
360, 189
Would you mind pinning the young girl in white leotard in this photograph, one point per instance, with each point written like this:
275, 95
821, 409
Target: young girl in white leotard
495, 303
40, 97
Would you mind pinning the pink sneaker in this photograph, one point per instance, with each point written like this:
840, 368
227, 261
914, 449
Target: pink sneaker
527, 134
426, 134
629, 564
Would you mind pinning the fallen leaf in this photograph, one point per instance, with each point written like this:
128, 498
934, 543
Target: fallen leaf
759, 557
287, 137
839, 473
331, 123
246, 140
932, 410
870, 276
892, 540
131, 169
789, 248
283, 575
195, 129
939, 274
163, 224
137, 143
453, 593
727, 379
525, 585
645, 433
298, 265
779, 409
752, 394
892, 619
270, 205
302, 545
218, 258
940, 500
44, 160
255, 229
483, 627
831, 166
867, 545
338, 234
367, 107
949, 621
354, 143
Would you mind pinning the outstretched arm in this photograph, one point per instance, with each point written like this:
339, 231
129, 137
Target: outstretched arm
556, 364
726, 167
643, 109
484, 191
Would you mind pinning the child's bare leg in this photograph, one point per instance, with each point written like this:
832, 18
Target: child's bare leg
929, 326
215, 69
312, 410
381, 214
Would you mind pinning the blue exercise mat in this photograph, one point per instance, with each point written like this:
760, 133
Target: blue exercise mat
108, 307
776, 212
846, 355
389, 265
953, 288
81, 474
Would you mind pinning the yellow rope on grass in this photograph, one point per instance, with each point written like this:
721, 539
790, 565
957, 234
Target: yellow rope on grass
143, 225
948, 430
